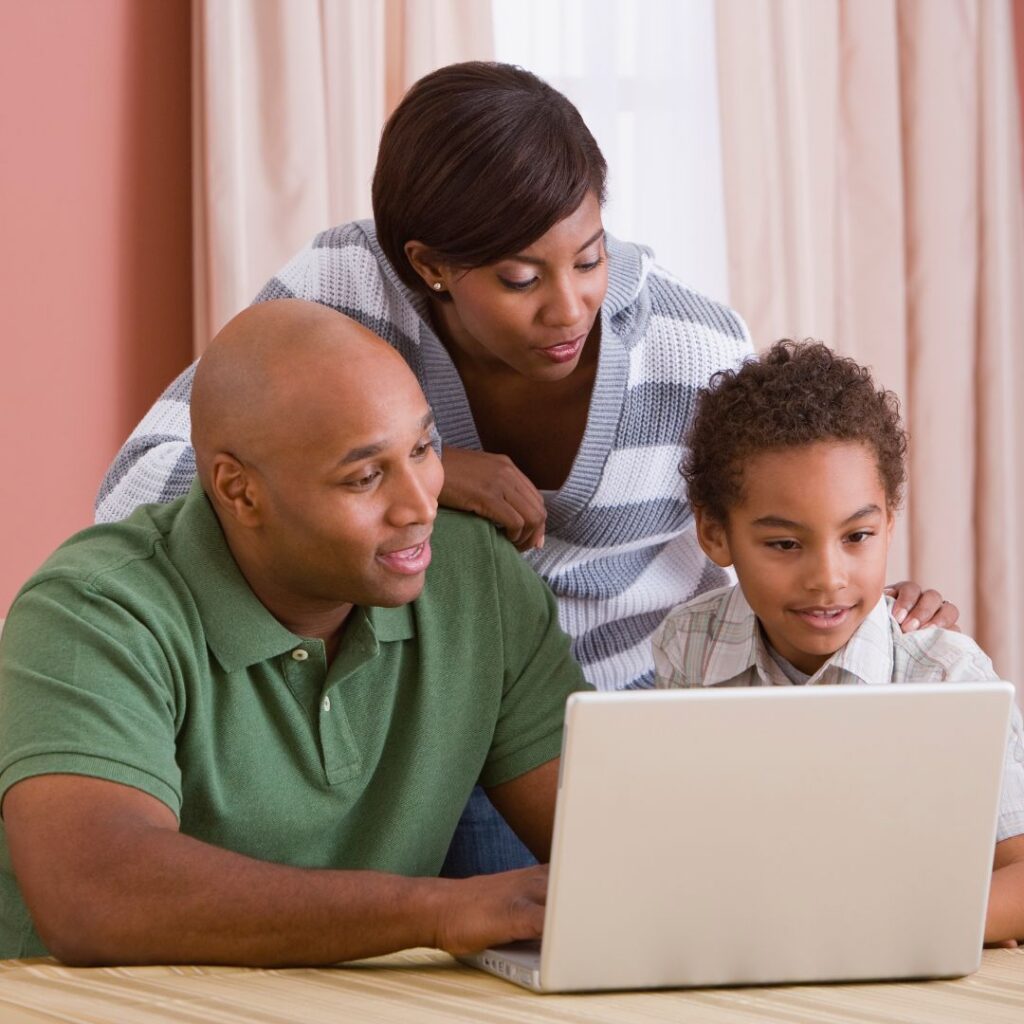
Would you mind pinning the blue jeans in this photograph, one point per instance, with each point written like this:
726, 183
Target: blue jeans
483, 842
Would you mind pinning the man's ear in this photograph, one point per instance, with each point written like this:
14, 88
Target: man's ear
232, 489
712, 536
427, 265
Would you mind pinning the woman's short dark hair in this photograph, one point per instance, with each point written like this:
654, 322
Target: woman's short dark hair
477, 162
795, 394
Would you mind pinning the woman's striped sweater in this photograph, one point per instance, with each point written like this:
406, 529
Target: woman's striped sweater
620, 548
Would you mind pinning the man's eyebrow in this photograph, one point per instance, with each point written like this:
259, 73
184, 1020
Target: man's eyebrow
367, 451
522, 258
790, 524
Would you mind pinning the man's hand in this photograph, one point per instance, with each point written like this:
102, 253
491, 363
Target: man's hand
109, 879
488, 910
916, 608
494, 488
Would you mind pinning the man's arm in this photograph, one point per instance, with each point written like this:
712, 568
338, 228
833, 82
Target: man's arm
528, 805
108, 878
1005, 919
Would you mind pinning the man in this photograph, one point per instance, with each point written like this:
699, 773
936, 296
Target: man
241, 728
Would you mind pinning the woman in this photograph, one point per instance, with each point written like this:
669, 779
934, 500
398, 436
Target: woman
561, 363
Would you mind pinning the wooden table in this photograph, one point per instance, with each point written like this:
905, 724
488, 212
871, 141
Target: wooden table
427, 986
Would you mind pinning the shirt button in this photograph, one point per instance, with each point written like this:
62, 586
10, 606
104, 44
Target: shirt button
325, 704
300, 654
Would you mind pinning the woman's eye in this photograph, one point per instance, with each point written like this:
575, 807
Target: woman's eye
516, 286
859, 536
783, 545
421, 449
592, 265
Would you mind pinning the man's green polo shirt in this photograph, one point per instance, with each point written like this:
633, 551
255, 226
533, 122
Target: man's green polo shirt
138, 654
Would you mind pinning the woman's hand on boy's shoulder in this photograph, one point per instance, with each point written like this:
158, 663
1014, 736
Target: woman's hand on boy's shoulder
916, 608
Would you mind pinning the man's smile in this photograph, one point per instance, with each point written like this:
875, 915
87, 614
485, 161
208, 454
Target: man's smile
407, 561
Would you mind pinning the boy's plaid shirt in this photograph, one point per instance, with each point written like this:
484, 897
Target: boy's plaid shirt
715, 640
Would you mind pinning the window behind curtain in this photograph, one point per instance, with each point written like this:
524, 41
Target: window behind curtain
643, 75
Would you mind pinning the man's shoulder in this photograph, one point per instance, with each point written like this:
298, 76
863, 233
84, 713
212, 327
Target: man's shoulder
111, 576
470, 552
935, 654
477, 579
453, 528
103, 551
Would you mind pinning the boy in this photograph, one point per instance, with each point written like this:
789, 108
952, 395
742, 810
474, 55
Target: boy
795, 470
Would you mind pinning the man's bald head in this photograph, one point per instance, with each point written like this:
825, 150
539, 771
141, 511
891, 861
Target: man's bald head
273, 372
314, 445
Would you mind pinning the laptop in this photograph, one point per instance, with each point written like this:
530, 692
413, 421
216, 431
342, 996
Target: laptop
769, 836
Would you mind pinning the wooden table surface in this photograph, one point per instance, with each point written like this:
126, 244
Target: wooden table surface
427, 986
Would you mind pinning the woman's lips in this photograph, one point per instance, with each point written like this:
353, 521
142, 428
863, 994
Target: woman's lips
823, 618
407, 561
565, 351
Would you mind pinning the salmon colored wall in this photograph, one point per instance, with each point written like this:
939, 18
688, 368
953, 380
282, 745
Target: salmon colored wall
95, 250
1018, 35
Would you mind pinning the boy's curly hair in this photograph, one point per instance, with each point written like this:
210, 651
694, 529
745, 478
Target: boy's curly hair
794, 394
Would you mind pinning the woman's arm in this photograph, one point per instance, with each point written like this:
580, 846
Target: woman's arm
916, 608
492, 487
157, 462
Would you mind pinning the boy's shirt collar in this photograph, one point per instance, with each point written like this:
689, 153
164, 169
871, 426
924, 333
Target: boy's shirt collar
739, 649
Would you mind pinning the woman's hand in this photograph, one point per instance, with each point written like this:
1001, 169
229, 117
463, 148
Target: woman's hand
494, 488
916, 608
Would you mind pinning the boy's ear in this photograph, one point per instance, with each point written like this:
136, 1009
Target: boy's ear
890, 525
712, 536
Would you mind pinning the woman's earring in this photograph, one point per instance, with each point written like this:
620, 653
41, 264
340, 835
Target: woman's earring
437, 286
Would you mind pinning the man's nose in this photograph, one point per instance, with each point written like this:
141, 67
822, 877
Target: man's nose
414, 499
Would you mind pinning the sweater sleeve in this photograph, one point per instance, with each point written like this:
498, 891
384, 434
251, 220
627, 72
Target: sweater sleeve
157, 464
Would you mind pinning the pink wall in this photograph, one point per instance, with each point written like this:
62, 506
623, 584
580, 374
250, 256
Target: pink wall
95, 272
1018, 35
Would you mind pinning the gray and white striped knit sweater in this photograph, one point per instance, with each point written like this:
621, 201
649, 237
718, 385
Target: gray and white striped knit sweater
620, 548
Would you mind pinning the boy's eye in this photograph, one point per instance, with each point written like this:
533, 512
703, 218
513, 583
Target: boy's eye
859, 536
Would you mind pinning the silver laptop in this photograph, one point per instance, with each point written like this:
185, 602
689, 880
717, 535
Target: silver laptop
769, 835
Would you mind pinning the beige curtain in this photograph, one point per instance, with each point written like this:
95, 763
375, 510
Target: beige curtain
289, 97
873, 197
